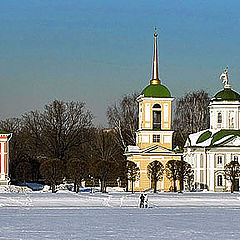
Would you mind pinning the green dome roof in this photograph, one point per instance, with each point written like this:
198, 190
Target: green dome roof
228, 95
156, 90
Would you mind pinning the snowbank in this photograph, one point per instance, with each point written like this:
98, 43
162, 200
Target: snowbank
14, 189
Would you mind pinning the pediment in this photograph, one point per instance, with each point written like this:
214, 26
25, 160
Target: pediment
156, 149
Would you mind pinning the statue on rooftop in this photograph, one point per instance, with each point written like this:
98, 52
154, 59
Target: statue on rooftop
224, 77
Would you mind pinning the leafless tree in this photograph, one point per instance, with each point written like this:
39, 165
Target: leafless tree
105, 171
59, 130
132, 172
123, 117
105, 151
172, 172
77, 171
24, 171
191, 115
155, 172
53, 170
232, 172
184, 173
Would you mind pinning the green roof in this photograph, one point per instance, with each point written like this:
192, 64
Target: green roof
223, 133
212, 138
203, 137
156, 90
228, 95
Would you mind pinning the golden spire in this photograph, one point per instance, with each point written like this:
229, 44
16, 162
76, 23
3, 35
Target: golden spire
155, 79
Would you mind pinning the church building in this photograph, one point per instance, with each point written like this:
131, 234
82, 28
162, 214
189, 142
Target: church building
154, 134
208, 151
4, 153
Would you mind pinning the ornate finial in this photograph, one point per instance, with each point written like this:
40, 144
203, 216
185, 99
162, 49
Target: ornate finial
155, 79
225, 79
155, 32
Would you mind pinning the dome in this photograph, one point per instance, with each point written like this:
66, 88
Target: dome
156, 90
227, 94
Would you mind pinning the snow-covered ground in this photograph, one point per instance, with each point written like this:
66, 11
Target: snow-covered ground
67, 215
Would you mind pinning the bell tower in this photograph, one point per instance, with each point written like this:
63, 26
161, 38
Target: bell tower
155, 107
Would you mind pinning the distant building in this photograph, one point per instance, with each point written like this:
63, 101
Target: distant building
210, 150
4, 153
154, 135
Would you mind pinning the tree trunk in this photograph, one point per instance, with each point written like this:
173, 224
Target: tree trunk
75, 186
102, 186
155, 186
53, 187
232, 186
105, 187
181, 185
126, 184
174, 185
132, 186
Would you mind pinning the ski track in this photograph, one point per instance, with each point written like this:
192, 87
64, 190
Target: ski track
113, 216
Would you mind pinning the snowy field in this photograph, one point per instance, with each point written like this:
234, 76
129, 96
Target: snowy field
117, 216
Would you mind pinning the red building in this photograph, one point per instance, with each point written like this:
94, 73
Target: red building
4, 156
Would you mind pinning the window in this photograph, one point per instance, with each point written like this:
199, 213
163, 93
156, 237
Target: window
235, 158
156, 117
156, 106
201, 161
231, 119
219, 180
219, 119
156, 138
219, 160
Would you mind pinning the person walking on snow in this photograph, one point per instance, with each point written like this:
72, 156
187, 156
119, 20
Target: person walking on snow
145, 200
141, 198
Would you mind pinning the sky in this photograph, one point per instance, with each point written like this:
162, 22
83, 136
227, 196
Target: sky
97, 51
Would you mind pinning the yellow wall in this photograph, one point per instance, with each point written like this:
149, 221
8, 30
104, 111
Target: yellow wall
144, 182
148, 124
144, 139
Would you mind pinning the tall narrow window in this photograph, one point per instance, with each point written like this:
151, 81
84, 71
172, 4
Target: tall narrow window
157, 117
219, 160
219, 119
219, 180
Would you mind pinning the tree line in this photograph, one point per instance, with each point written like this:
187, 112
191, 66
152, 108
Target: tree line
61, 141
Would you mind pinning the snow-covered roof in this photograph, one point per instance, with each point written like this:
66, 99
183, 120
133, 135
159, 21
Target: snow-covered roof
154, 149
211, 138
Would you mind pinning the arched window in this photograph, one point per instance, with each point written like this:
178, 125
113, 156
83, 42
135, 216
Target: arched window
219, 119
156, 117
219, 180
156, 106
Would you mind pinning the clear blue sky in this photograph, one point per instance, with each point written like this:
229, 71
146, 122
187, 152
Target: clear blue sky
96, 51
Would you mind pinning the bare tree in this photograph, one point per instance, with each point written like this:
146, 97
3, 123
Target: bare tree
232, 172
191, 115
155, 172
123, 117
172, 170
53, 171
184, 173
59, 130
24, 171
132, 172
77, 171
106, 152
105, 171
